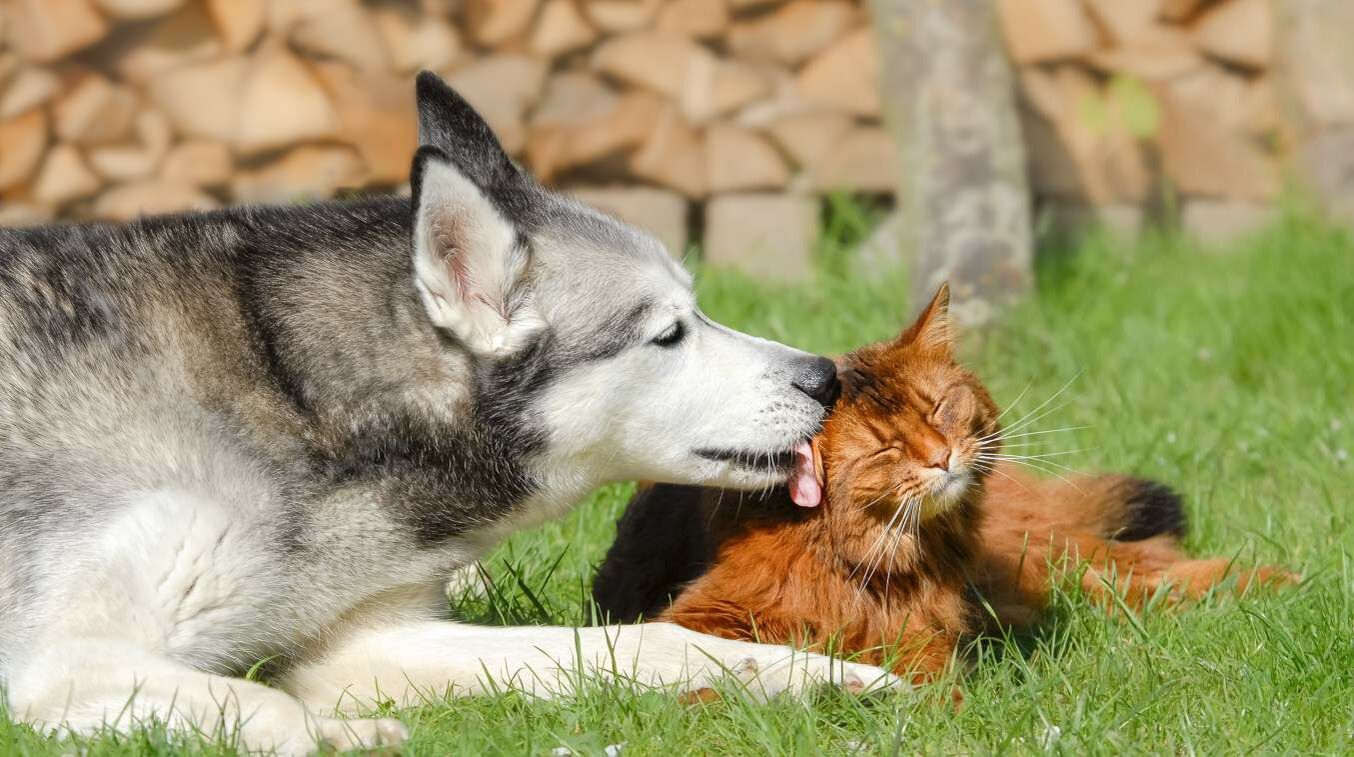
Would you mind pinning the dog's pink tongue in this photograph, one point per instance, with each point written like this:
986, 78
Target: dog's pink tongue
804, 488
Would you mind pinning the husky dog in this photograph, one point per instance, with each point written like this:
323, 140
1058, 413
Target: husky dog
274, 432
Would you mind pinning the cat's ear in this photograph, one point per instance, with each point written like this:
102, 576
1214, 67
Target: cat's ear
933, 329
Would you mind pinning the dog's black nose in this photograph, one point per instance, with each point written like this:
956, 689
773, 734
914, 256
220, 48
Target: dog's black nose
817, 377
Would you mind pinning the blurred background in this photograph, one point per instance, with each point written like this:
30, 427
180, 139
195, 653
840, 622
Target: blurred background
718, 124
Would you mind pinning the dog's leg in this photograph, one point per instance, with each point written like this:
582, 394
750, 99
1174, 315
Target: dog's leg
86, 685
408, 663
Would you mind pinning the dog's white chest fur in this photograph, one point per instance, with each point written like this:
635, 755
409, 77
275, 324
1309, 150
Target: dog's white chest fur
202, 585
199, 582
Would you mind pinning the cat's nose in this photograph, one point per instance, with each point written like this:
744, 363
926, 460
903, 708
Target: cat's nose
939, 458
817, 377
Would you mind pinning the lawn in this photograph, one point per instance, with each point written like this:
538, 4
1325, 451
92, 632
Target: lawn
1226, 373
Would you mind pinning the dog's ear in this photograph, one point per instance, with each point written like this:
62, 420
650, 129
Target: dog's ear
470, 262
449, 123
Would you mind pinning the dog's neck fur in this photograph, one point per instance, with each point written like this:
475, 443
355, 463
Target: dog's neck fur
416, 414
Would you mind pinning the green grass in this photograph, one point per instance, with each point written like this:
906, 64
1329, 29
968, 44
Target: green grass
1226, 374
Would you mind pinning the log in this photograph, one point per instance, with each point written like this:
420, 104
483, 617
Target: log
27, 89
794, 33
64, 177
1238, 32
282, 104
203, 100
140, 159
621, 15
560, 28
341, 29
845, 76
1203, 157
1158, 52
661, 62
139, 53
762, 234
1072, 157
862, 159
374, 109
1124, 21
150, 197
673, 155
239, 22
739, 159
47, 30
198, 163
694, 18
24, 138
137, 9
302, 173
715, 87
493, 22
1041, 30
94, 111
416, 41
808, 137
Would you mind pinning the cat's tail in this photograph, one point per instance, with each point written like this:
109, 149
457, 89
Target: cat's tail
1121, 532
1127, 508
1142, 522
1138, 571
1109, 506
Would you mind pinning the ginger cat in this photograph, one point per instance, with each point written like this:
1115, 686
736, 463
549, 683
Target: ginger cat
921, 519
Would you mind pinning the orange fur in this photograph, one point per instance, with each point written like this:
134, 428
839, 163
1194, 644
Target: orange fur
919, 524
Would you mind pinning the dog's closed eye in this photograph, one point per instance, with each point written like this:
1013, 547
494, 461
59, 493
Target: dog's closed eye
671, 336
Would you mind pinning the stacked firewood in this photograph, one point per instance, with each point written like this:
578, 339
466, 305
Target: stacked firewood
664, 111
1149, 103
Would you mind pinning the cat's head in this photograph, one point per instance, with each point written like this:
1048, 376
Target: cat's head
907, 441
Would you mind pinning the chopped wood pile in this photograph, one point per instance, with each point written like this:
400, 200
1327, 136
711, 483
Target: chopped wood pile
114, 108
1124, 101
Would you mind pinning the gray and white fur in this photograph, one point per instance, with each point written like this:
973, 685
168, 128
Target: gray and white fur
276, 431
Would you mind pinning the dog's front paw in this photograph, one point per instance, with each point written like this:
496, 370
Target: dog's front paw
384, 734
767, 670
780, 670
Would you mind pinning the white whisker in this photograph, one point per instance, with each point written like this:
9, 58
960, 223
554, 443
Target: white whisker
870, 562
1035, 456
1022, 435
1039, 467
1009, 407
1027, 419
1010, 478
1024, 422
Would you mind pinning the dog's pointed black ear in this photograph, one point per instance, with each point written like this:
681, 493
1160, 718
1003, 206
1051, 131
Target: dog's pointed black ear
451, 125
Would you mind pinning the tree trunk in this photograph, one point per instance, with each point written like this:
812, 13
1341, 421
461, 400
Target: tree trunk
1316, 82
963, 199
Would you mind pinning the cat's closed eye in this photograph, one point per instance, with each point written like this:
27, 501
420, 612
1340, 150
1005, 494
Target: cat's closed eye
937, 411
951, 409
